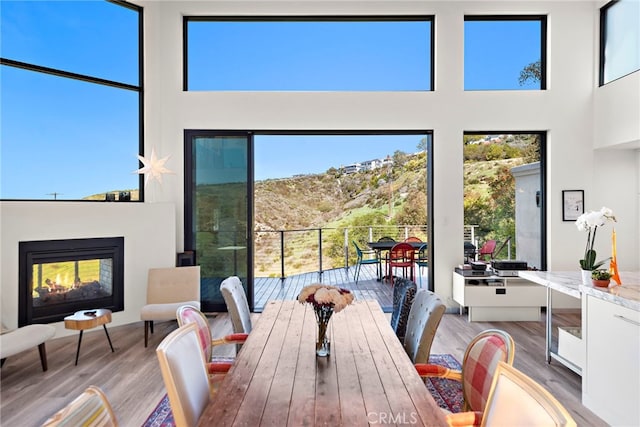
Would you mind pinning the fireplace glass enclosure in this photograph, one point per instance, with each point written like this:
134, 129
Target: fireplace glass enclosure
60, 277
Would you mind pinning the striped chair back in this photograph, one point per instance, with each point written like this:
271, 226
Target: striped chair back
90, 409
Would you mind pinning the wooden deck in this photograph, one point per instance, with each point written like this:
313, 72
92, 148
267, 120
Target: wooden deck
270, 288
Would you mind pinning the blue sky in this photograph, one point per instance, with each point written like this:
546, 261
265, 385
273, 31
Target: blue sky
81, 139
299, 154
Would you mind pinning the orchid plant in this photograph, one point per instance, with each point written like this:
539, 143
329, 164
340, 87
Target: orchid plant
589, 222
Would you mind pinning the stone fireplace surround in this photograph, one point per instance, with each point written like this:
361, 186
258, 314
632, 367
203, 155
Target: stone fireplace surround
149, 231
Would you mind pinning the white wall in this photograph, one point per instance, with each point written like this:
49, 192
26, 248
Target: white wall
566, 111
149, 241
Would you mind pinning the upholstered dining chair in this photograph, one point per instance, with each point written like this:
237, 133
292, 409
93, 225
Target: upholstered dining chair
237, 305
184, 374
479, 364
424, 317
515, 399
216, 366
167, 290
365, 257
90, 409
404, 292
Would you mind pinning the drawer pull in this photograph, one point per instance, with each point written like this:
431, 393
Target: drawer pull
633, 322
501, 291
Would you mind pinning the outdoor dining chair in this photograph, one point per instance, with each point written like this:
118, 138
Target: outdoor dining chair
422, 260
365, 257
401, 255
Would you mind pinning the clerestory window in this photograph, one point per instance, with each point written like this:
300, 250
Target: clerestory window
619, 39
71, 100
308, 54
505, 52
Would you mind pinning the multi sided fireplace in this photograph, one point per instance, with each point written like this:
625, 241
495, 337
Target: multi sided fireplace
59, 277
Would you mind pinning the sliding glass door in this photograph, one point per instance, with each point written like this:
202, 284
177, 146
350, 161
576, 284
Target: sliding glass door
218, 212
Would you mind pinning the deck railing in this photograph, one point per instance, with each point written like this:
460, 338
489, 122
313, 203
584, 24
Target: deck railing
282, 253
288, 252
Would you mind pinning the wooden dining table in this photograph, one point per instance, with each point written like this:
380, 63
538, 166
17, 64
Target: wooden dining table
278, 380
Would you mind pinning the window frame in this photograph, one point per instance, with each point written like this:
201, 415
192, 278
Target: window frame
543, 41
601, 49
305, 18
103, 82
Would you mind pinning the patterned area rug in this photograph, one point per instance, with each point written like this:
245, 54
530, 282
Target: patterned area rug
447, 394
161, 416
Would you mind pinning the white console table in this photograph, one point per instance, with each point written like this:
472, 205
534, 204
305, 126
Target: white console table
610, 342
498, 298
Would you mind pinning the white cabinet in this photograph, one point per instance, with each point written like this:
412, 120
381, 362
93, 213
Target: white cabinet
611, 380
494, 298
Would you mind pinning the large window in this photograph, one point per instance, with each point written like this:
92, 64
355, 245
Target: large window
314, 54
504, 194
71, 100
619, 39
505, 52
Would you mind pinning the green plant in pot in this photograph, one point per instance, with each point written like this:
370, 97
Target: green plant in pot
601, 277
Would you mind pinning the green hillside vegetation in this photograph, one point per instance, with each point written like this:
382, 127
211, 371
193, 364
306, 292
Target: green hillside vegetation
335, 201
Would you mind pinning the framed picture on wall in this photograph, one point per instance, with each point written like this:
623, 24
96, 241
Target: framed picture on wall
572, 204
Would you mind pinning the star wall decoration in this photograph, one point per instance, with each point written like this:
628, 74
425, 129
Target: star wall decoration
153, 167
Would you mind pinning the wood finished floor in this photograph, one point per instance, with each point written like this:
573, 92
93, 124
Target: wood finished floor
269, 288
131, 379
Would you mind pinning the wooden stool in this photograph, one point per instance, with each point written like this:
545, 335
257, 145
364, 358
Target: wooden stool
87, 319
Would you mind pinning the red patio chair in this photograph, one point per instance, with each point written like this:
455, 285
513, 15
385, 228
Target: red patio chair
402, 255
488, 249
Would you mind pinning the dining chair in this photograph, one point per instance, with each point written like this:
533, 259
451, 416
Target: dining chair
515, 399
366, 257
90, 409
487, 250
216, 366
167, 290
479, 364
404, 293
182, 366
422, 260
413, 239
387, 239
424, 317
235, 299
401, 255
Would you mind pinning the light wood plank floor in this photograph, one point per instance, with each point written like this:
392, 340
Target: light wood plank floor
132, 381
270, 288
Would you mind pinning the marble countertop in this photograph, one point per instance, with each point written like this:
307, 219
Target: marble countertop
570, 283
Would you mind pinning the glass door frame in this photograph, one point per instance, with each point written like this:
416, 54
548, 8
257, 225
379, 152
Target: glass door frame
189, 243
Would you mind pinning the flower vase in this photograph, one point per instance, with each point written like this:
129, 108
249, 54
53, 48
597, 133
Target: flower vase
323, 315
586, 277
